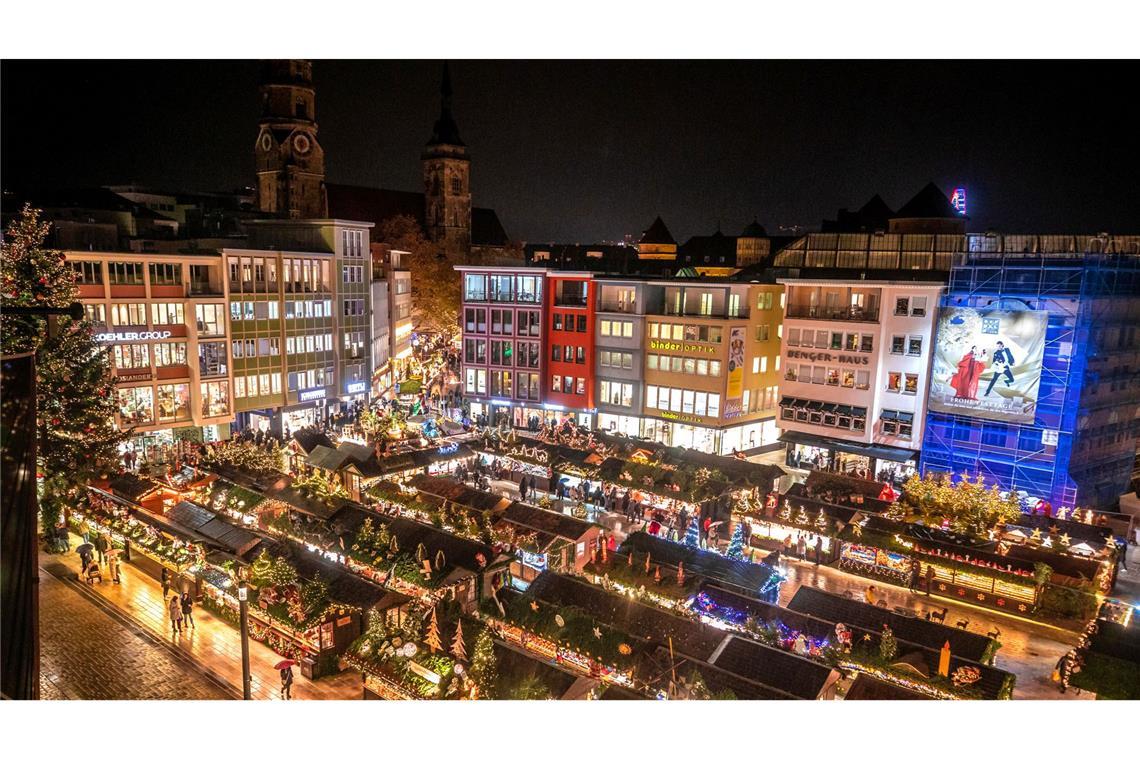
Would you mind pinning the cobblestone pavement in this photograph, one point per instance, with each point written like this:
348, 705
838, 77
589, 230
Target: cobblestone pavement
212, 644
86, 653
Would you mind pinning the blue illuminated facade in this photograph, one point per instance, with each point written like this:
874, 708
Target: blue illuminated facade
1081, 446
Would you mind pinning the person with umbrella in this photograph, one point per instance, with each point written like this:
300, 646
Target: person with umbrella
85, 551
286, 668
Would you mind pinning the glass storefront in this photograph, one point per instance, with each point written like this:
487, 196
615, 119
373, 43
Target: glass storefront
752, 435
296, 419
619, 423
136, 405
215, 398
680, 434
174, 402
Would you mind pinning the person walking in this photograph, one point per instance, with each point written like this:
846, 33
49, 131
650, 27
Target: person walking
522, 489
915, 575
869, 595
187, 603
113, 566
287, 682
929, 578
818, 549
175, 609
801, 547
101, 546
165, 583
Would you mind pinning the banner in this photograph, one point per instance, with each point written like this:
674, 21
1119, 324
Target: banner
732, 401
987, 363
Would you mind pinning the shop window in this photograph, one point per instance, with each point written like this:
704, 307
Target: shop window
173, 402
914, 345
898, 344
215, 399
848, 378
136, 405
833, 377
894, 382
910, 384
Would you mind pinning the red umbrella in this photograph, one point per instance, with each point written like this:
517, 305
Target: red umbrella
285, 664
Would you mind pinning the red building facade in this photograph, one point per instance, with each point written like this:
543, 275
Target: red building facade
570, 346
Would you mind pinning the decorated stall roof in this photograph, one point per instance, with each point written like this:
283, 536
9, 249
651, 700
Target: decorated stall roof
799, 676
343, 587
1069, 565
839, 609
746, 575
230, 537
819, 481
546, 521
308, 439
419, 458
689, 636
132, 487
452, 490
1095, 535
1116, 640
868, 687
666, 667
515, 666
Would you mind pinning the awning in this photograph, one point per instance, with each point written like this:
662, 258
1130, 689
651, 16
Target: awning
789, 401
829, 408
815, 406
907, 417
889, 414
858, 411
888, 453
844, 410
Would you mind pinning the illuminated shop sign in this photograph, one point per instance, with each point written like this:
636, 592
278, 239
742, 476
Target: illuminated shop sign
537, 561
115, 337
692, 348
958, 200
681, 417
130, 377
312, 395
451, 448
823, 356
355, 387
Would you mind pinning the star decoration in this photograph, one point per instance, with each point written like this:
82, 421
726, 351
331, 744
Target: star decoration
534, 606
597, 632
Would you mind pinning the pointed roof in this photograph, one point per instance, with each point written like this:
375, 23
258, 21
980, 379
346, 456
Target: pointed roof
445, 131
754, 230
658, 234
928, 203
876, 208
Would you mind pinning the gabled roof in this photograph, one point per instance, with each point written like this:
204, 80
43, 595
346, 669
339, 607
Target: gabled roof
796, 675
309, 438
132, 487
232, 538
717, 248
869, 687
546, 521
747, 575
657, 234
755, 230
928, 203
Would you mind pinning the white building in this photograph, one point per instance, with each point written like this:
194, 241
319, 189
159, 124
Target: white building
856, 355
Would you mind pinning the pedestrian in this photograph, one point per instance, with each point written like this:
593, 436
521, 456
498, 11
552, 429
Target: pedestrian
818, 549
869, 595
175, 609
788, 545
522, 489
915, 575
84, 551
929, 578
287, 682
101, 546
801, 547
62, 537
188, 608
1061, 671
165, 583
113, 566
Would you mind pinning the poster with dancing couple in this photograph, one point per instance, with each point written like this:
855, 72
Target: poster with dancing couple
987, 363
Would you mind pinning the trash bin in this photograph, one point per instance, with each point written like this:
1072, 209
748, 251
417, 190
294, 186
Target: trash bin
308, 667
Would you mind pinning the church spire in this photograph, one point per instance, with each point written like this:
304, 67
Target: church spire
445, 131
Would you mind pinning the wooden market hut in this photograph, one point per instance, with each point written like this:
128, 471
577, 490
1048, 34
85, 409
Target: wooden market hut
149, 494
301, 444
753, 578
866, 687
567, 541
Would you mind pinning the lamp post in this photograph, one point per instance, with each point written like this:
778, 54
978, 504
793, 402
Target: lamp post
243, 606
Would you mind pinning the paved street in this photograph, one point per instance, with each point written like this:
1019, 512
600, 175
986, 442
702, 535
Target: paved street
87, 653
213, 644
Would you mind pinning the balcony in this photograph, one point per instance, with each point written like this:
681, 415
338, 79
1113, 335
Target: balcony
843, 313
570, 300
741, 313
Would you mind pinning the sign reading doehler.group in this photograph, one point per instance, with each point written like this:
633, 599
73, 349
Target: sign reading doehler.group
987, 363
116, 337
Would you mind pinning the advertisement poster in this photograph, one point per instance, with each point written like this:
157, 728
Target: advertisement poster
987, 363
732, 401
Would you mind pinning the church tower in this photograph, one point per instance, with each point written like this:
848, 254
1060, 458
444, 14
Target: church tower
290, 161
447, 179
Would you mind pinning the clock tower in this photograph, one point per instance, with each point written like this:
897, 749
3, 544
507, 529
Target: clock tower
447, 179
290, 162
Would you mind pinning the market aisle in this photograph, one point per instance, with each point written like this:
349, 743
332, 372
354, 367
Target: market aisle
212, 643
1029, 650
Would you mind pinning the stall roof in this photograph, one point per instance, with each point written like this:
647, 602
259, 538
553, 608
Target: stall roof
519, 665
417, 458
1069, 565
668, 665
326, 458
131, 487
623, 613
309, 438
796, 675
344, 586
839, 609
868, 687
230, 537
546, 521
1078, 531
877, 451
452, 490
1116, 640
746, 575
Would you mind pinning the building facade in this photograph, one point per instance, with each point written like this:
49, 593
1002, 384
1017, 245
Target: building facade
1060, 313
165, 320
290, 161
391, 318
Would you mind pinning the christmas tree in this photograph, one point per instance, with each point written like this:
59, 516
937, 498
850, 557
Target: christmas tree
736, 544
888, 646
458, 650
484, 665
432, 637
693, 534
261, 569
75, 395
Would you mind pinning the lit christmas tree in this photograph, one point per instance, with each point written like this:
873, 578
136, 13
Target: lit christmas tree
736, 544
693, 534
458, 650
75, 396
484, 665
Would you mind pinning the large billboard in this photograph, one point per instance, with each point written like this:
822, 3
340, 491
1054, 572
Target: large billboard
987, 363
733, 405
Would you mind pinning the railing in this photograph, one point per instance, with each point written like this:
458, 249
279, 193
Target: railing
741, 313
570, 301
847, 314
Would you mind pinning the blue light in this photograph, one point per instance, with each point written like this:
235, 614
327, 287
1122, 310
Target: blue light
958, 200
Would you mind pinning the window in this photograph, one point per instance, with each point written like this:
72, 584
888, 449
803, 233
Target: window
124, 273
867, 343
567, 384
209, 318
580, 387
847, 378
902, 307
616, 394
894, 382
529, 289
354, 307
167, 313
836, 341
165, 274
898, 343
793, 336
128, 314
832, 376
581, 322
556, 353
764, 301
819, 375
215, 398
239, 385
501, 383
910, 384
756, 364
87, 272
918, 306
556, 383
353, 273
914, 345
791, 374
169, 354
502, 322
132, 356
580, 357
212, 359
764, 332
96, 313
136, 405
852, 343
173, 402
557, 322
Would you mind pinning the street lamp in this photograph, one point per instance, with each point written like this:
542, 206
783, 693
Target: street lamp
243, 606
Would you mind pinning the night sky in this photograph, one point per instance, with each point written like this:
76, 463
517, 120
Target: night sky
591, 151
